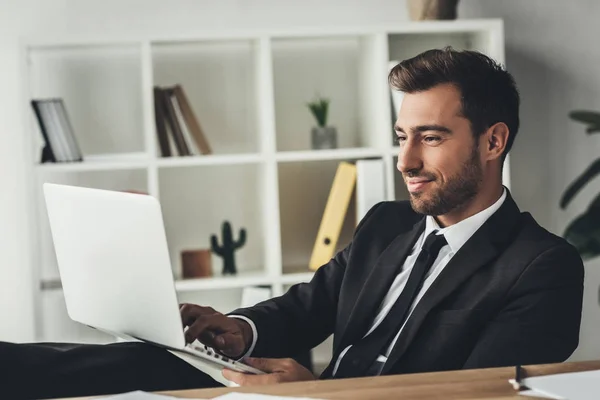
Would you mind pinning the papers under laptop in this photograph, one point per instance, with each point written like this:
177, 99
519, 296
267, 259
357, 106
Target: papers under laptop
572, 386
116, 274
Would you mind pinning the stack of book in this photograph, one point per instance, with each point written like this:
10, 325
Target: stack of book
177, 127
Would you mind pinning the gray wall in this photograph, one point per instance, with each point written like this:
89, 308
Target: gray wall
552, 50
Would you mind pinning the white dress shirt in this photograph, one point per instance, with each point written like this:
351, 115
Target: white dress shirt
456, 235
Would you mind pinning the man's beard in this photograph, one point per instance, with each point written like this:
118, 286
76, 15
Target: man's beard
455, 194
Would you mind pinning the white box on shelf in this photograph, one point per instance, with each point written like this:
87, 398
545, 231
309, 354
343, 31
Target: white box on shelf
370, 185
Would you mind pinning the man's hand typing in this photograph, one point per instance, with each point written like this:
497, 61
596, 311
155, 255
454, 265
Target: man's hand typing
229, 336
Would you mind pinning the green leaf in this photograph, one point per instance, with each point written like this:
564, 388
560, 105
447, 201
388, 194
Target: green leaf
595, 204
319, 110
593, 129
584, 233
579, 183
587, 117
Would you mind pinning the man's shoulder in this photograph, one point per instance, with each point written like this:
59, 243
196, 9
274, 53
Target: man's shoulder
396, 214
536, 240
541, 236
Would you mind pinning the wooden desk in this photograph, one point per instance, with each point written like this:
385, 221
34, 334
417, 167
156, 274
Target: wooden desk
476, 384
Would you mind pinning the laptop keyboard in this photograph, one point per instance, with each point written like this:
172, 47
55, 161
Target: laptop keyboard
209, 351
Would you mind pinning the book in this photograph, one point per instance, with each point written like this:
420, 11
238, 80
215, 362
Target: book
161, 128
191, 121
182, 124
178, 130
173, 124
60, 143
335, 211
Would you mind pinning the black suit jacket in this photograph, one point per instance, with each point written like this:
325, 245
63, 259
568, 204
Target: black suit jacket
511, 295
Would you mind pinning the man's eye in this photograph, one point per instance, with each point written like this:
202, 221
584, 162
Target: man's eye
432, 139
400, 139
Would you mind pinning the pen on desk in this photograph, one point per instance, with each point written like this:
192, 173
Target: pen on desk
517, 384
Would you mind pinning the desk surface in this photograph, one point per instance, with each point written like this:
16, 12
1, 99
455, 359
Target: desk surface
476, 384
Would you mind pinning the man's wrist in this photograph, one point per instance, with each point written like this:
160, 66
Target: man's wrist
249, 333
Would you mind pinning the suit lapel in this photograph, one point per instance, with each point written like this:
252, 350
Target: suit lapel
479, 250
377, 285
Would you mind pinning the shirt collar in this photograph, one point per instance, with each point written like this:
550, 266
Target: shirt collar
457, 235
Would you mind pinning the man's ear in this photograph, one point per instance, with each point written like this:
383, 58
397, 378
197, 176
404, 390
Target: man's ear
496, 138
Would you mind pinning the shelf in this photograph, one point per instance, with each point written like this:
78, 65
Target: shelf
190, 161
101, 87
196, 201
291, 279
224, 282
240, 280
330, 67
218, 78
303, 193
393, 151
248, 91
324, 155
105, 162
91, 166
124, 163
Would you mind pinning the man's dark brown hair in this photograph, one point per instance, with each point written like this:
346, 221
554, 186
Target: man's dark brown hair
489, 93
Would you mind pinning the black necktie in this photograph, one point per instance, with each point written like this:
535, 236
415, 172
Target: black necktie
362, 355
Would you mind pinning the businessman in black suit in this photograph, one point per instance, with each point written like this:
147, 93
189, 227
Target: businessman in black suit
456, 278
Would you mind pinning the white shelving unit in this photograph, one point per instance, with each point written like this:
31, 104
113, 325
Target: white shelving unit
249, 91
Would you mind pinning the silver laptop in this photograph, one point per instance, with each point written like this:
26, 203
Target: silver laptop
115, 270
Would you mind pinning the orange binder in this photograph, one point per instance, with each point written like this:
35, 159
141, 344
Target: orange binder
333, 216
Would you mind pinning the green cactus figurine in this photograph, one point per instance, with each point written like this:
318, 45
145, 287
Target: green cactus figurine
227, 250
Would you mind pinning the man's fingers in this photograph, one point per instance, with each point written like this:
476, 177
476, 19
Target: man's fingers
229, 344
243, 379
233, 376
216, 323
268, 364
198, 329
190, 312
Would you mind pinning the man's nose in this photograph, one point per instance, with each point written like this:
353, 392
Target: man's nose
409, 158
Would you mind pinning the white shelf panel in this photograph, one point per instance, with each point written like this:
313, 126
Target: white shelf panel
99, 162
227, 33
292, 279
393, 151
224, 282
190, 161
186, 285
323, 155
91, 166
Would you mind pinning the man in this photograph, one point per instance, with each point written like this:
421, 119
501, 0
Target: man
493, 289
456, 278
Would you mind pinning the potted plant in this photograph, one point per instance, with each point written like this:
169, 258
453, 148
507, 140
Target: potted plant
584, 231
323, 136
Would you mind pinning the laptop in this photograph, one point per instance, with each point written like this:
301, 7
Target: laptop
116, 274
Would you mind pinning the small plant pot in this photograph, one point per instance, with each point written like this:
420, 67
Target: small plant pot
324, 137
196, 264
